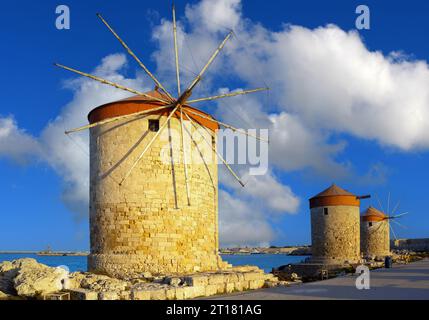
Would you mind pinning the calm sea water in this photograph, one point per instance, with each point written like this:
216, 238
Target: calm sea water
263, 261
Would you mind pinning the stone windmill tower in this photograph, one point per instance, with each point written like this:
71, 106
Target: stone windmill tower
375, 231
153, 213
375, 234
335, 232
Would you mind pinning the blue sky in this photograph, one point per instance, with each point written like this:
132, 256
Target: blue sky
33, 211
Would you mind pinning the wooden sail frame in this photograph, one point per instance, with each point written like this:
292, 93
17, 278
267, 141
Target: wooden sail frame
170, 102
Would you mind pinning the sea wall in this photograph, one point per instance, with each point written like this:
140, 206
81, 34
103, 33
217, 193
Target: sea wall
419, 245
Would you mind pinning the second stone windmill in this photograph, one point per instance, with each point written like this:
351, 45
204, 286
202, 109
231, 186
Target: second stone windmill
146, 214
375, 231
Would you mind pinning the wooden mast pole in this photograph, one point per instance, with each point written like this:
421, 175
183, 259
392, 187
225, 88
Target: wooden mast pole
201, 155
176, 51
104, 81
198, 78
232, 94
226, 125
117, 118
185, 162
131, 53
214, 149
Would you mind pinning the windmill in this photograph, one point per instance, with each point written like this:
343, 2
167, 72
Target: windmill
376, 228
137, 221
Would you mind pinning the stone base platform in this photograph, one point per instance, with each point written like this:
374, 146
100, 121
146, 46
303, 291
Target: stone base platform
180, 287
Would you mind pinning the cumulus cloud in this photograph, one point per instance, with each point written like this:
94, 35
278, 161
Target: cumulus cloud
220, 13
246, 214
68, 156
15, 143
326, 76
330, 78
240, 224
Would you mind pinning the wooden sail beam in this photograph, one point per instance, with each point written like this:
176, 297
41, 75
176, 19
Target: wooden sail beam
393, 232
198, 78
388, 203
176, 51
398, 215
227, 126
104, 81
136, 114
214, 149
185, 161
131, 53
201, 155
149, 144
232, 94
400, 224
395, 208
379, 203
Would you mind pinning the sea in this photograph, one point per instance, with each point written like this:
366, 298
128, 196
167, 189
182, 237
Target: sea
78, 263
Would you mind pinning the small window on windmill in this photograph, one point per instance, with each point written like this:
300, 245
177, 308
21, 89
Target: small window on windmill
370, 224
153, 125
325, 211
213, 141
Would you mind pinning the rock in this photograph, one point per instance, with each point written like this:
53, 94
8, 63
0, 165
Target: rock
140, 295
96, 282
270, 284
39, 279
74, 280
28, 278
108, 295
83, 294
8, 272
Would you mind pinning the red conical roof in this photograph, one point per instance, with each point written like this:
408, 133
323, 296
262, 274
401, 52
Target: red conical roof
333, 190
140, 103
372, 214
334, 196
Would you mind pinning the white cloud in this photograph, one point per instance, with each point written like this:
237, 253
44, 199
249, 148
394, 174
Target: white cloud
265, 191
332, 81
68, 156
218, 14
326, 76
15, 143
245, 214
241, 224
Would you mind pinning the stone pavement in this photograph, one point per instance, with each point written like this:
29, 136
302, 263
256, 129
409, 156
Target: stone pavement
409, 281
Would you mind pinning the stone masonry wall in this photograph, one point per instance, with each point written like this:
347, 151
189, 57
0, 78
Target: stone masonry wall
411, 244
375, 238
145, 224
335, 236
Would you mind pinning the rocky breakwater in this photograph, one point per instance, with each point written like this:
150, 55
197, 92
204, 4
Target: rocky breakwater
28, 279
